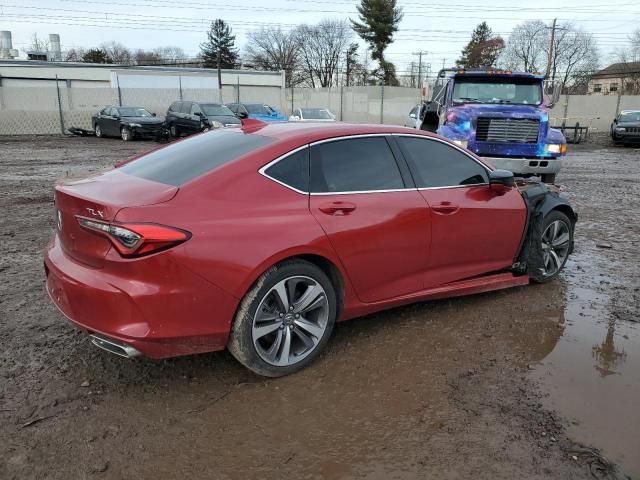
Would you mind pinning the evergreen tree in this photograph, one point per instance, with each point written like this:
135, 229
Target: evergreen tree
219, 39
378, 21
483, 48
96, 55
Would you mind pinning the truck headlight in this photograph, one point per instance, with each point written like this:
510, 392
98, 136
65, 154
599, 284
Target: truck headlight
134, 125
556, 148
461, 143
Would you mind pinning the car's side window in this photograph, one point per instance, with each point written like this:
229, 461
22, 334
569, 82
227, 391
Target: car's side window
195, 109
186, 107
414, 111
113, 112
437, 164
354, 165
174, 107
233, 107
105, 111
292, 170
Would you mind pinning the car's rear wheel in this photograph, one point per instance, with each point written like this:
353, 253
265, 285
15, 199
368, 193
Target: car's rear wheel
98, 131
285, 320
126, 134
556, 240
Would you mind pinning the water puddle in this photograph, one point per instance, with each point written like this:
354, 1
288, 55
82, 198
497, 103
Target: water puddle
592, 375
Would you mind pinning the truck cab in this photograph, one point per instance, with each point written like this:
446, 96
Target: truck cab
499, 115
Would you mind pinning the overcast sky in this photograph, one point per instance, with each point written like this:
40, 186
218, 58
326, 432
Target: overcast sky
438, 27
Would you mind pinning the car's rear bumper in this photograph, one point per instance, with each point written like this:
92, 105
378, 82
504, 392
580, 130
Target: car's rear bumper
526, 166
157, 307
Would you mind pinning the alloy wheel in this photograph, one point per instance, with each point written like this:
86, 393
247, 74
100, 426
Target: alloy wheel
125, 133
556, 241
290, 320
98, 131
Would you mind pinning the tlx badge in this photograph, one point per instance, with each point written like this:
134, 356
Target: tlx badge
95, 213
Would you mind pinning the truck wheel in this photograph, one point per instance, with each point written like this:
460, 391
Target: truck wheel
549, 178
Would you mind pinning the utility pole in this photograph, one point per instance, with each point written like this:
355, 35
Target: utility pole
219, 75
420, 66
553, 37
444, 61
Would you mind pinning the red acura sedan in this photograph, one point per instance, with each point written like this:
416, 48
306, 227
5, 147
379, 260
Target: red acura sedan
259, 239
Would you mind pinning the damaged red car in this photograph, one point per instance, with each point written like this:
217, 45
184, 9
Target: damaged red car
259, 239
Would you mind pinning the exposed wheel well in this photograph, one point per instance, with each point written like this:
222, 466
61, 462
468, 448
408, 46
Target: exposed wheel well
328, 267
568, 211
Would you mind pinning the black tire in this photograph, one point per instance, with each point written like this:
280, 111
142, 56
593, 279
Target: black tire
536, 262
174, 132
126, 134
549, 178
98, 131
241, 343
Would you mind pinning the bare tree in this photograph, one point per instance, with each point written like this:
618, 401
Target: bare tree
171, 54
117, 52
629, 71
273, 49
321, 47
146, 57
38, 44
74, 55
574, 53
526, 47
634, 39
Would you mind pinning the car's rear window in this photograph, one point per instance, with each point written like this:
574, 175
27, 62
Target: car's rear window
188, 159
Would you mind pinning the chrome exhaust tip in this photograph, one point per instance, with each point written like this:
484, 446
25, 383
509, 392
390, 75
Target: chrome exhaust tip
114, 346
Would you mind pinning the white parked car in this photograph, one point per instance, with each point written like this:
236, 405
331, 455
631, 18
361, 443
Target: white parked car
312, 115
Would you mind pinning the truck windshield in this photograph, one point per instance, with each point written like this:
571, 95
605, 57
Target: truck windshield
497, 91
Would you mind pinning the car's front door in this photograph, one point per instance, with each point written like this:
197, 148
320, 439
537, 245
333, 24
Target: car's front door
411, 119
473, 229
376, 220
111, 123
194, 119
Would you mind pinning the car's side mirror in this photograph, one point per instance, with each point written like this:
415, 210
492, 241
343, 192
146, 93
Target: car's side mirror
615, 120
153, 114
412, 115
242, 114
501, 181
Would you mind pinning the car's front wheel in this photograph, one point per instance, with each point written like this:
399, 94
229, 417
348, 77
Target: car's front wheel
285, 320
556, 240
126, 134
98, 131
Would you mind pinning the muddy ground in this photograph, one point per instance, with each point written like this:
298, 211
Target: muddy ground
536, 382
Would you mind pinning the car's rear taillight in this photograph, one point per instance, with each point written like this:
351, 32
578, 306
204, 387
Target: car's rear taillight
136, 239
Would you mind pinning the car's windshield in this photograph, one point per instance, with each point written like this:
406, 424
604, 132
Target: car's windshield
213, 109
497, 91
133, 112
316, 114
629, 117
258, 109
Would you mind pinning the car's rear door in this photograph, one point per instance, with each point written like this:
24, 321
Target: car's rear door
111, 123
376, 220
473, 229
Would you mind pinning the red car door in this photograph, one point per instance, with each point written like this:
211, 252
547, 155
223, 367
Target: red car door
377, 225
473, 229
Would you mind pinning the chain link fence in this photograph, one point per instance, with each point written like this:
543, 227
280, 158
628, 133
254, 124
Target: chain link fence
54, 109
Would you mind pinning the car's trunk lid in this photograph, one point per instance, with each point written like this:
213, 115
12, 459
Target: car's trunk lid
100, 198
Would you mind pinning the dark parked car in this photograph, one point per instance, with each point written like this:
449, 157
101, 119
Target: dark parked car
185, 118
127, 123
257, 111
625, 128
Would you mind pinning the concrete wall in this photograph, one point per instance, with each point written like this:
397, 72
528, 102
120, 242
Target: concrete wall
597, 111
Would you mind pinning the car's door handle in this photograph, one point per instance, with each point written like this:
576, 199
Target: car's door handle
337, 208
445, 208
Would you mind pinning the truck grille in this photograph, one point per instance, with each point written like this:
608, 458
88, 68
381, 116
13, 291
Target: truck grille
507, 130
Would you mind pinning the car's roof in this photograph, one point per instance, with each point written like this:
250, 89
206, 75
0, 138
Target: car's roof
630, 111
312, 132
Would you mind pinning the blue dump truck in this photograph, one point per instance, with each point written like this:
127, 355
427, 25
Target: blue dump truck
499, 115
